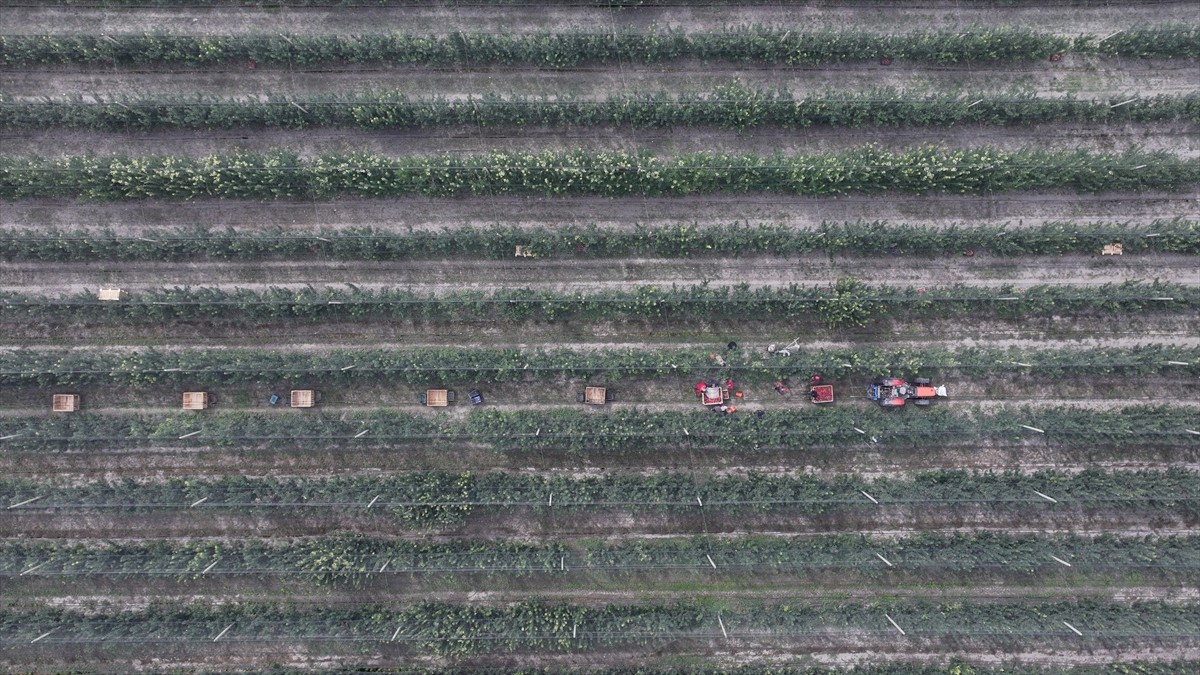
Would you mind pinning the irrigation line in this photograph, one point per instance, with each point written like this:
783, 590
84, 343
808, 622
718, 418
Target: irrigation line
675, 505
655, 370
566, 565
566, 300
623, 636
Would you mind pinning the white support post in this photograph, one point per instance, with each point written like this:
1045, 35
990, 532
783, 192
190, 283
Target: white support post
1047, 497
209, 568
27, 501
1026, 426
348, 368
1118, 105
41, 564
5, 438
1073, 629
722, 624
198, 502
873, 500
885, 560
372, 503
222, 633
1178, 363
1060, 560
894, 624
194, 433
361, 434
384, 565
710, 561
562, 563
574, 631
397, 633
859, 430
43, 635
685, 432
698, 501
975, 103
1190, 431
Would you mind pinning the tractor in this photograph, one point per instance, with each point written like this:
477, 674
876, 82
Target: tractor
893, 392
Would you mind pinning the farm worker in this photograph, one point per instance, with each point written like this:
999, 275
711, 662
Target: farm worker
731, 410
700, 388
723, 408
815, 379
740, 395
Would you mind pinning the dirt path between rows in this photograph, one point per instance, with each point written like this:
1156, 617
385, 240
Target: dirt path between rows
1179, 139
289, 344
1085, 77
419, 214
1125, 331
1066, 20
586, 274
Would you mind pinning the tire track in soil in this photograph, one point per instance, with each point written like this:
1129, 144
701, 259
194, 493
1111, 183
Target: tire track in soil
1180, 139
597, 274
516, 19
1118, 331
296, 524
422, 214
1086, 77
591, 596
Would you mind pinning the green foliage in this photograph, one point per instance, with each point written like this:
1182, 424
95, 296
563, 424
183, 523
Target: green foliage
732, 106
434, 628
871, 170
564, 49
353, 559
427, 367
848, 301
576, 47
455, 498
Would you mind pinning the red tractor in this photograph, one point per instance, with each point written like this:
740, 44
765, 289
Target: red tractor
893, 392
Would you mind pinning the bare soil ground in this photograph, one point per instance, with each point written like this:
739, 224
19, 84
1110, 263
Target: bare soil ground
442, 214
518, 19
1179, 139
437, 276
1084, 77
1126, 330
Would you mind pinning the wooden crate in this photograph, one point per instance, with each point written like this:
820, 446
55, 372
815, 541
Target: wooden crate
437, 398
195, 400
65, 403
109, 294
594, 395
1113, 249
303, 398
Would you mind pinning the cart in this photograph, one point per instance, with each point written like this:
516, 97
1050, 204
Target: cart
821, 393
304, 398
714, 395
195, 400
65, 403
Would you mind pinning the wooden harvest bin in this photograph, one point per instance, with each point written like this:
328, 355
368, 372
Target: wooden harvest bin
65, 403
304, 398
195, 400
109, 294
437, 398
594, 395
